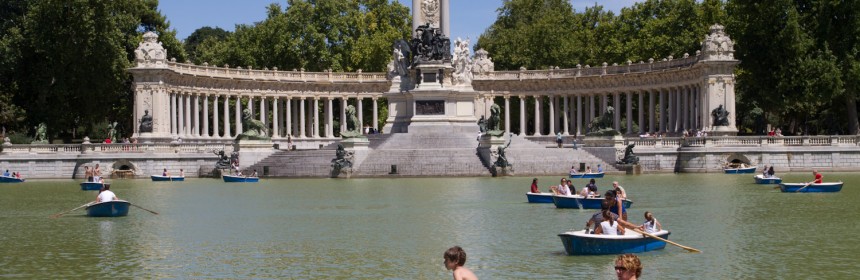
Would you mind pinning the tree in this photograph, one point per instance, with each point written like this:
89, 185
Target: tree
343, 35
74, 56
199, 37
11, 16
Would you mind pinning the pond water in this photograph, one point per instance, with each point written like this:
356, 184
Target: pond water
399, 228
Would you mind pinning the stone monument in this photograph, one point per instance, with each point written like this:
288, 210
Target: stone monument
254, 144
719, 92
41, 134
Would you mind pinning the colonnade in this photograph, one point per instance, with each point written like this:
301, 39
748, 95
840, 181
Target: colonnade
667, 110
295, 116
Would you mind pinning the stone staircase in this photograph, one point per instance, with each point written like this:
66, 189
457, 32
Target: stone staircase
299, 163
531, 158
423, 154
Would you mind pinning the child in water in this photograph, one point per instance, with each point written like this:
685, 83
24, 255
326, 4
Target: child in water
455, 258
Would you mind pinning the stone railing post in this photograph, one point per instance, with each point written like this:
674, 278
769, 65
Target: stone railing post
706, 142
763, 141
834, 140
804, 141
85, 146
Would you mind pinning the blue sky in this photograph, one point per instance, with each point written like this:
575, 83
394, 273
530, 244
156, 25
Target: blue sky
469, 18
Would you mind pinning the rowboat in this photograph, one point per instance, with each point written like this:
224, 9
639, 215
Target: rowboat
159, 178
539, 197
580, 243
115, 208
802, 187
759, 179
587, 175
740, 170
580, 202
240, 179
9, 179
93, 186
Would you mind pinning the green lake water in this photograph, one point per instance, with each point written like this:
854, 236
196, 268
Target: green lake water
399, 228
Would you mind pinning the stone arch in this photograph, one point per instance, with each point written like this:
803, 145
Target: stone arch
737, 158
123, 168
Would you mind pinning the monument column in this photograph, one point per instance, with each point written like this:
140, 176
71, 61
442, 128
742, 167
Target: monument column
251, 106
329, 117
507, 113
579, 114
263, 118
566, 113
522, 114
591, 112
215, 117
375, 115
359, 108
172, 113
652, 108
551, 112
205, 131
187, 125
238, 113
671, 113
288, 117
276, 129
195, 117
226, 109
343, 104
537, 115
641, 94
662, 110
616, 116
629, 111
302, 117
316, 117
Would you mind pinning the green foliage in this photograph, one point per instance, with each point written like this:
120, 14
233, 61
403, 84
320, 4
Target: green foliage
343, 35
66, 61
199, 37
19, 138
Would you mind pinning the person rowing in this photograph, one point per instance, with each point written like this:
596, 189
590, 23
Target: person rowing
818, 178
535, 188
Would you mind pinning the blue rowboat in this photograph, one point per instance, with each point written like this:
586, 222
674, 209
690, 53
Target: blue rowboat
565, 201
799, 187
759, 179
240, 179
8, 179
115, 208
740, 170
539, 197
594, 202
586, 175
159, 178
92, 186
580, 243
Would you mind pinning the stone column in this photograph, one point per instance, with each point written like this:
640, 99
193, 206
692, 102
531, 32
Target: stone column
375, 115
302, 117
251, 106
579, 114
263, 118
343, 104
591, 112
522, 115
507, 113
172, 113
238, 113
329, 118
672, 114
197, 119
652, 111
663, 116
205, 132
616, 117
226, 109
551, 113
359, 109
641, 111
187, 112
276, 124
603, 103
537, 116
215, 132
629, 112
566, 109
316, 117
288, 121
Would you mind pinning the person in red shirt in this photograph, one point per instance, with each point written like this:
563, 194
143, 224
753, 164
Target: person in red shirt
535, 186
818, 177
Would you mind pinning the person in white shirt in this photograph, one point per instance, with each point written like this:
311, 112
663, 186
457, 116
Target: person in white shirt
609, 226
619, 190
106, 195
562, 187
651, 225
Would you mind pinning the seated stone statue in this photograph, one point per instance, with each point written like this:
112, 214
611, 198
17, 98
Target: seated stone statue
721, 116
629, 157
353, 124
223, 160
146, 122
602, 125
495, 121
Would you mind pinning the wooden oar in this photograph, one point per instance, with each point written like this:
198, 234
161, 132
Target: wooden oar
691, 249
66, 212
807, 185
150, 211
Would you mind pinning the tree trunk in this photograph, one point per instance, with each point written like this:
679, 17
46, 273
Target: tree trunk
851, 110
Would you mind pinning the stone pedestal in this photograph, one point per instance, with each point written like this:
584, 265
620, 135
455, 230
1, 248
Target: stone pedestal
631, 169
149, 138
354, 144
722, 131
604, 141
488, 146
253, 151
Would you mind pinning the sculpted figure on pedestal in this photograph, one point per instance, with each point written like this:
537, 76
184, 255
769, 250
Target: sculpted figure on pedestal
146, 122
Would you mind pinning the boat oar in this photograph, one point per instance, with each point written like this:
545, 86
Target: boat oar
66, 212
807, 185
147, 210
691, 249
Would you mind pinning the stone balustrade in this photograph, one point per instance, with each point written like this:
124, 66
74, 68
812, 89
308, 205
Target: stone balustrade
164, 148
580, 71
275, 75
744, 141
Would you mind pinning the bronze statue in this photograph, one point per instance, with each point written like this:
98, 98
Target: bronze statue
342, 160
41, 134
629, 157
146, 122
254, 129
502, 160
602, 126
482, 124
223, 161
352, 123
721, 116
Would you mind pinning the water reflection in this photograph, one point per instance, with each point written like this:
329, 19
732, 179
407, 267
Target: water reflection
398, 229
